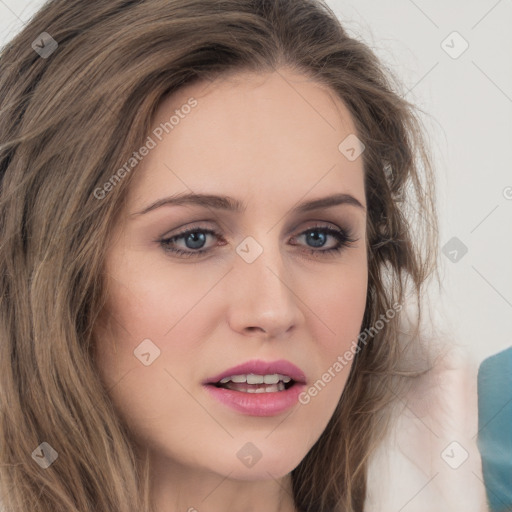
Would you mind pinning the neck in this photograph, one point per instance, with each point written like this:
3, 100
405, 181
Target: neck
176, 487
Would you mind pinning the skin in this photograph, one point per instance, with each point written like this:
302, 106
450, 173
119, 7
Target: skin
271, 141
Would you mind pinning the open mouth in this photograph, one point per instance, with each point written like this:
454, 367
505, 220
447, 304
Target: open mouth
258, 388
253, 383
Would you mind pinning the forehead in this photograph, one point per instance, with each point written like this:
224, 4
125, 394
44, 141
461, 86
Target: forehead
273, 132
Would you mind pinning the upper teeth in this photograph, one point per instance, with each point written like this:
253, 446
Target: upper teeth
251, 378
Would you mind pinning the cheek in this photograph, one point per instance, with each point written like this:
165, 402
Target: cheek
339, 300
149, 296
149, 300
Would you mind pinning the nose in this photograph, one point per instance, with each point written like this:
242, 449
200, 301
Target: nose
263, 301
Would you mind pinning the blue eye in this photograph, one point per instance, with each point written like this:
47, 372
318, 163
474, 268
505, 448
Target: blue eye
195, 239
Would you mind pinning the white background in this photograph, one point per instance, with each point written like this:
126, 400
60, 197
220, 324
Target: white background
468, 102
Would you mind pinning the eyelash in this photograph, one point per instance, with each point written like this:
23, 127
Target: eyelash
344, 238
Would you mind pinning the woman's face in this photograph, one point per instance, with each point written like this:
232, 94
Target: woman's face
260, 285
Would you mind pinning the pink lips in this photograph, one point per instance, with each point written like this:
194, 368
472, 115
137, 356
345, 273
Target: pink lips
259, 404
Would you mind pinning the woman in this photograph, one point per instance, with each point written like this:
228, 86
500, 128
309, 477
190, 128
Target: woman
207, 214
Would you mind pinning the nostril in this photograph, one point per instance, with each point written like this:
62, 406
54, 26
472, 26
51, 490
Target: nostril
251, 329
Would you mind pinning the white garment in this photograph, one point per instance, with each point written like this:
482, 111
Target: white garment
422, 467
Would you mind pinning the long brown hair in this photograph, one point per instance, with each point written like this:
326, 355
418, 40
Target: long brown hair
68, 120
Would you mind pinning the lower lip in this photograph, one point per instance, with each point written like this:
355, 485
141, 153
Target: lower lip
257, 404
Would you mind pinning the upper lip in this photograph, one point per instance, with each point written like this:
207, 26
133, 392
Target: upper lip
260, 367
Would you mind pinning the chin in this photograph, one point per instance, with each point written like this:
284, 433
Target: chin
261, 471
271, 465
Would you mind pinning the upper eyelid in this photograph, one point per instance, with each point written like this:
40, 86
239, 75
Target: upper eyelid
203, 225
214, 231
347, 231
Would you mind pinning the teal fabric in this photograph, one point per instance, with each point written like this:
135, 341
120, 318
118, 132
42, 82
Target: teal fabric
495, 428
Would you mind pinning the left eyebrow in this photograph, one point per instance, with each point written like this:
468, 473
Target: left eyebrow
327, 202
235, 205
